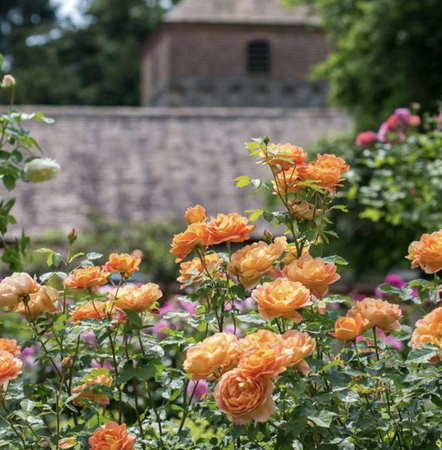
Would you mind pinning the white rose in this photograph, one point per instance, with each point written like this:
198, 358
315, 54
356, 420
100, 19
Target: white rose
8, 81
41, 169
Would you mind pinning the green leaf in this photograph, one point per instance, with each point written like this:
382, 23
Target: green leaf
335, 259
421, 355
323, 419
256, 214
93, 255
255, 319
243, 181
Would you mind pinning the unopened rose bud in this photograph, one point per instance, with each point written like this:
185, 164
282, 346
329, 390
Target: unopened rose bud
67, 443
138, 254
67, 361
267, 237
44, 443
40, 170
72, 236
8, 81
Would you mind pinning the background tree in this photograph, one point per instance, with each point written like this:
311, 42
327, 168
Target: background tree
95, 63
386, 54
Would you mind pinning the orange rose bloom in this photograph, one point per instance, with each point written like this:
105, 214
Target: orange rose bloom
427, 253
287, 181
193, 271
330, 160
137, 299
349, 328
379, 313
9, 367
88, 390
212, 357
184, 243
313, 273
43, 301
326, 172
253, 261
195, 214
281, 298
91, 310
244, 398
302, 345
229, 228
264, 354
86, 278
283, 155
15, 287
10, 346
123, 263
429, 331
112, 437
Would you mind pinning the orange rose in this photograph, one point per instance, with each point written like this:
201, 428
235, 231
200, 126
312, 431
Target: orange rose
112, 437
292, 253
9, 367
284, 156
325, 172
184, 243
43, 301
253, 261
427, 253
264, 354
330, 160
193, 271
379, 313
195, 214
91, 310
123, 263
10, 346
212, 357
137, 299
429, 331
87, 278
90, 390
244, 398
281, 298
229, 228
15, 287
349, 328
302, 345
287, 181
313, 273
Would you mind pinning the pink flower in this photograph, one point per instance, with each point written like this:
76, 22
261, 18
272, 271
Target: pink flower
365, 139
95, 364
200, 390
88, 337
403, 115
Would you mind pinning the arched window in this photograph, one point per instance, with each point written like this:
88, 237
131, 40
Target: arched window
258, 57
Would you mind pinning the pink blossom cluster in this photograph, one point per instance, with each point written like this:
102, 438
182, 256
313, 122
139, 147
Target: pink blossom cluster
391, 131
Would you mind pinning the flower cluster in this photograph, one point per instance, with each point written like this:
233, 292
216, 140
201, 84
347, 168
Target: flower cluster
392, 131
245, 369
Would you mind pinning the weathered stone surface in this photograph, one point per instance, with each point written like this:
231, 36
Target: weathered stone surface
149, 163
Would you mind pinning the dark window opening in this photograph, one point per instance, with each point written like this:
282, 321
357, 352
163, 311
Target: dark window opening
258, 57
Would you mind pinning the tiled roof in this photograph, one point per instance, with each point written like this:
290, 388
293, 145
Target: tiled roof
272, 12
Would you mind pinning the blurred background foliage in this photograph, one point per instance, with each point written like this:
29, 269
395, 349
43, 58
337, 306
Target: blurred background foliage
150, 240
385, 53
95, 62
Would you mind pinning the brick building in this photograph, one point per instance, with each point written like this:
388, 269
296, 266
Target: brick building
234, 53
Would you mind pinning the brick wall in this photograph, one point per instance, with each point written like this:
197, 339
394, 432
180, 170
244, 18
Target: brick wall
146, 163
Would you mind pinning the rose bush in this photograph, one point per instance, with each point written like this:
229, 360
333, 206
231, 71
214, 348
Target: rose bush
256, 352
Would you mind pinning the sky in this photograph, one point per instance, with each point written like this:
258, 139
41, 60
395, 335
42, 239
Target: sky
69, 8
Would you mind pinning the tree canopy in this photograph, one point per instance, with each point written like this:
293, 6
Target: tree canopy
386, 54
97, 63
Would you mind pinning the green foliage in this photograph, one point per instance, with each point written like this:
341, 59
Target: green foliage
152, 239
17, 150
93, 63
384, 53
